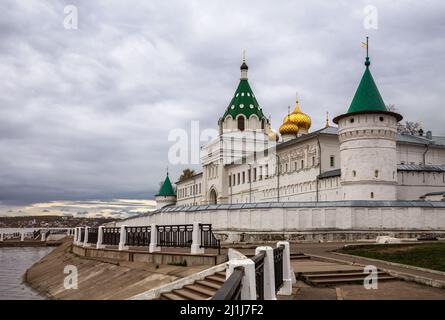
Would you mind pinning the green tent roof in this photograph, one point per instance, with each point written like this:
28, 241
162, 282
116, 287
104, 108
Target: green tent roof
367, 97
244, 101
167, 188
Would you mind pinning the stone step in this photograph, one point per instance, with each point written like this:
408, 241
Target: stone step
216, 278
341, 275
170, 296
189, 294
221, 273
201, 289
309, 273
209, 284
330, 281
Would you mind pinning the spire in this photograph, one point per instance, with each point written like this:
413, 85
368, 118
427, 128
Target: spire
327, 120
167, 188
367, 97
244, 67
244, 100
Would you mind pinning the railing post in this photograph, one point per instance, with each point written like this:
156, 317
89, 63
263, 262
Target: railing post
79, 235
248, 286
1, 236
123, 239
153, 247
269, 273
22, 236
85, 237
196, 239
286, 288
100, 238
42, 236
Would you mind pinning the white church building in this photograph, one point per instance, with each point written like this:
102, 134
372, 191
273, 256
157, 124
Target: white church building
353, 180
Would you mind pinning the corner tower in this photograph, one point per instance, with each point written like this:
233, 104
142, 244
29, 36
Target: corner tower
166, 195
367, 135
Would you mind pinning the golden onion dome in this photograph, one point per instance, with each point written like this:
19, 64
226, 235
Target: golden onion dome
301, 119
288, 127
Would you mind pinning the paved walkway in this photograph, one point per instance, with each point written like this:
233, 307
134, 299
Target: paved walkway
323, 250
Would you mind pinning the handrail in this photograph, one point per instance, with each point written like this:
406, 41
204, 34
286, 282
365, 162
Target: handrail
278, 266
208, 239
138, 236
231, 288
259, 274
180, 235
111, 235
93, 235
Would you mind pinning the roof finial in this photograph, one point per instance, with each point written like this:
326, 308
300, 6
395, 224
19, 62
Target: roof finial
327, 120
366, 45
244, 67
167, 171
296, 96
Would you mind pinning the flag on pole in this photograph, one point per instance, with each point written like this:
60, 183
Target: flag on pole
364, 45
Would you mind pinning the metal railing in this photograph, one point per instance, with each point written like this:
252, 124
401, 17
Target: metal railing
208, 239
36, 234
278, 266
92, 235
138, 236
111, 236
259, 274
231, 289
180, 236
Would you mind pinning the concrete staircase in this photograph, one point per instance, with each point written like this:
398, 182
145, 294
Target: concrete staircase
331, 278
199, 290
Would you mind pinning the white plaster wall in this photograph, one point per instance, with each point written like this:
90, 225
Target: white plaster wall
305, 219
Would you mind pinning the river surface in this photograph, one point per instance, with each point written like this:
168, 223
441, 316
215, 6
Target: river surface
13, 264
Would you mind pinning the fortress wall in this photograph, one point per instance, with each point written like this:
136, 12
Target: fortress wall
308, 223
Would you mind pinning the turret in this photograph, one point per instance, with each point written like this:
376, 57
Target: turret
367, 135
166, 195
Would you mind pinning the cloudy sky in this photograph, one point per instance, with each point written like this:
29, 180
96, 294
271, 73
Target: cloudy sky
85, 113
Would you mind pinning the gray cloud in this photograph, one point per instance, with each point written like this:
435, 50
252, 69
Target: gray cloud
85, 114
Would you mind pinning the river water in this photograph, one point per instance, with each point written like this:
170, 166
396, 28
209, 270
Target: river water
13, 264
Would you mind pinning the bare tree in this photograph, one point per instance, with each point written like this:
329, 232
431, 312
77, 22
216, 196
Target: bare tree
408, 127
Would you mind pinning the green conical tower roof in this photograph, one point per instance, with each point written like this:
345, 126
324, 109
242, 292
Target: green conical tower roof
367, 97
167, 188
244, 101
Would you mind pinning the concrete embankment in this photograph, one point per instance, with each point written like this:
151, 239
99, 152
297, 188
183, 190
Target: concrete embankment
99, 278
30, 243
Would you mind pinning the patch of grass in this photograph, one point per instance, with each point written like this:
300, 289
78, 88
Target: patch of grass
430, 255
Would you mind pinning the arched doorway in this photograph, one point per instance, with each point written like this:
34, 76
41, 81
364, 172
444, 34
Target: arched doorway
213, 197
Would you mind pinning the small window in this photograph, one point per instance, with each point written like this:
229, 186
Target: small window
352, 120
313, 161
244, 177
302, 164
376, 173
230, 180
241, 124
332, 161
239, 178
372, 195
382, 119
354, 173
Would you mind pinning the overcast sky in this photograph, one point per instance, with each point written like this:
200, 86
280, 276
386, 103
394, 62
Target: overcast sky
85, 114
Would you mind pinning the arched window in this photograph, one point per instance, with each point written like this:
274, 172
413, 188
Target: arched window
354, 173
376, 173
241, 123
372, 195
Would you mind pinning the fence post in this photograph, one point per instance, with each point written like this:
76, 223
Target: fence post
123, 239
196, 238
269, 273
42, 236
78, 235
286, 289
248, 286
100, 238
153, 247
85, 238
22, 236
1, 236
